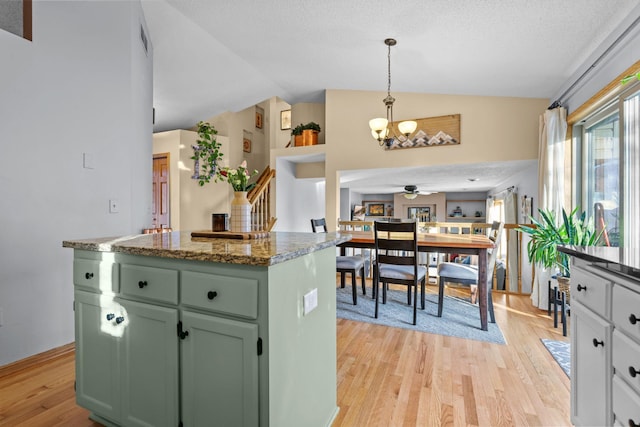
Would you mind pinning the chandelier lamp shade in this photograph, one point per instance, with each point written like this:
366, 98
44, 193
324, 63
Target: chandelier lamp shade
382, 128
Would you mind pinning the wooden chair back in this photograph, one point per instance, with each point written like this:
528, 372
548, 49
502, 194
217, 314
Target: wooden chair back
393, 242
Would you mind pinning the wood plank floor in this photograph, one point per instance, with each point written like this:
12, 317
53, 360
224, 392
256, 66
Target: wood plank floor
386, 377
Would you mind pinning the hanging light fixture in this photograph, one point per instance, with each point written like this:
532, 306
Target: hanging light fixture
381, 128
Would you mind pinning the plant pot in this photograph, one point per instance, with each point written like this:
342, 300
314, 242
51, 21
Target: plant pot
298, 141
309, 137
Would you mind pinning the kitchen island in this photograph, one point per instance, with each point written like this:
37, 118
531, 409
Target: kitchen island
173, 330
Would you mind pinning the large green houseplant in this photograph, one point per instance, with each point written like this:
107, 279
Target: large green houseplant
206, 154
575, 229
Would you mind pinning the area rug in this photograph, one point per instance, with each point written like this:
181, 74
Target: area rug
459, 318
561, 352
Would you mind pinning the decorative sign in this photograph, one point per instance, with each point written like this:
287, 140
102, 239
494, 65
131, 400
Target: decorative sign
431, 131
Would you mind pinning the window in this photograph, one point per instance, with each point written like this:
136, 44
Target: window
608, 167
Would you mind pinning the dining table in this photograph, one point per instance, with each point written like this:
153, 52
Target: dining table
468, 244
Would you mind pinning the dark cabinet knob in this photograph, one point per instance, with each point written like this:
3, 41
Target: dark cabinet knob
633, 319
581, 288
110, 316
88, 276
212, 294
597, 343
142, 284
119, 319
632, 424
633, 371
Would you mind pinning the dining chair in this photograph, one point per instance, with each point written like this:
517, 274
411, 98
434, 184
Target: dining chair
345, 264
396, 249
466, 274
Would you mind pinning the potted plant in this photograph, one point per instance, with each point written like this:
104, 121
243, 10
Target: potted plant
574, 229
206, 154
306, 134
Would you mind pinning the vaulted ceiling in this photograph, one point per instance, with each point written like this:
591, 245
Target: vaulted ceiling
212, 56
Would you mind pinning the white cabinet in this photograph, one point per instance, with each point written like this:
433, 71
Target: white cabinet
605, 346
590, 366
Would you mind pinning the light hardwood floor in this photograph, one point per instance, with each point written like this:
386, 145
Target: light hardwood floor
386, 377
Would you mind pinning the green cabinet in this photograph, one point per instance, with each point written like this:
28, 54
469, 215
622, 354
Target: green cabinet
168, 342
219, 371
126, 359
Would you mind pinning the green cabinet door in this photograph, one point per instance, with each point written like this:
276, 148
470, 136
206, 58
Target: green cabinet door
97, 361
219, 372
149, 371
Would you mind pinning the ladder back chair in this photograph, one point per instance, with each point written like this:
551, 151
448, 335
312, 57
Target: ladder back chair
466, 274
396, 249
345, 264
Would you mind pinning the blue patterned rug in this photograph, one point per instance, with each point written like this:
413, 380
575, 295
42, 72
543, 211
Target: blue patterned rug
459, 318
561, 351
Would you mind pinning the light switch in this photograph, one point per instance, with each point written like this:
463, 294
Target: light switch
114, 206
310, 301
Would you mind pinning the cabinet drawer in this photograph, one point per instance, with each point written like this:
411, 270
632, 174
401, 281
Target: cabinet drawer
591, 290
627, 313
626, 359
224, 294
152, 283
95, 275
626, 404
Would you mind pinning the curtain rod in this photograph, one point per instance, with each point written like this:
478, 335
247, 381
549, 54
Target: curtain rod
558, 102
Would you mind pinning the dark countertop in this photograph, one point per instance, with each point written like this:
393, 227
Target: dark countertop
618, 260
277, 248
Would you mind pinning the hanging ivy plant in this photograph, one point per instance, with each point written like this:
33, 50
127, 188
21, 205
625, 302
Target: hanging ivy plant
206, 154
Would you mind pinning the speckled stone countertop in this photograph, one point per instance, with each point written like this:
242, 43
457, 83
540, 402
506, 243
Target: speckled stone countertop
277, 248
619, 260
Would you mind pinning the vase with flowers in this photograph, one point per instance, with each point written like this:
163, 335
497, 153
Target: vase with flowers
240, 206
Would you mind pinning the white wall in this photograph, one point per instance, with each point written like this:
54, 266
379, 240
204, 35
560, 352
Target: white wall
84, 85
297, 200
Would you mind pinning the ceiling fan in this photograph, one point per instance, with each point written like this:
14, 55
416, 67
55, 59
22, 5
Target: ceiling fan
411, 192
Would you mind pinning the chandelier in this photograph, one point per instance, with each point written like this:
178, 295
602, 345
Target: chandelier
381, 128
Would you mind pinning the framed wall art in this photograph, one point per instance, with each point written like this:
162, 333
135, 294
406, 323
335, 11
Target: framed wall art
285, 119
259, 117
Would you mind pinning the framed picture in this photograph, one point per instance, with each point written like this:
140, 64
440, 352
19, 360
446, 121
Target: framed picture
375, 209
358, 213
259, 117
246, 141
285, 119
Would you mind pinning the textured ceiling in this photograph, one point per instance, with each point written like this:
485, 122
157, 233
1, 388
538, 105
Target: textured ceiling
212, 56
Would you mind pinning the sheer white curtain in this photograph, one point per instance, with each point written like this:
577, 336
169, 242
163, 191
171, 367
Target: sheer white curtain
552, 134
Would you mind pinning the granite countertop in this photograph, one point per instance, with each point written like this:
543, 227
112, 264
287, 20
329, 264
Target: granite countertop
619, 260
277, 248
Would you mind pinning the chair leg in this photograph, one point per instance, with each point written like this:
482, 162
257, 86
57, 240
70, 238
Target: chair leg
374, 284
492, 316
384, 292
424, 284
409, 295
555, 306
549, 297
364, 289
440, 295
563, 303
342, 274
354, 287
415, 301
377, 294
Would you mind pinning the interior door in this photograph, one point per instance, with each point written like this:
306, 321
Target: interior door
160, 199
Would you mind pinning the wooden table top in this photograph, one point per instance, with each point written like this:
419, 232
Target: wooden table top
469, 241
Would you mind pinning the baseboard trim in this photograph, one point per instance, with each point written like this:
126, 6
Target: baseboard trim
36, 359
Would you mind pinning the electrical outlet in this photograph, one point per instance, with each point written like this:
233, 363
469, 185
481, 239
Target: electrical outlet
114, 206
1, 317
88, 161
310, 301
